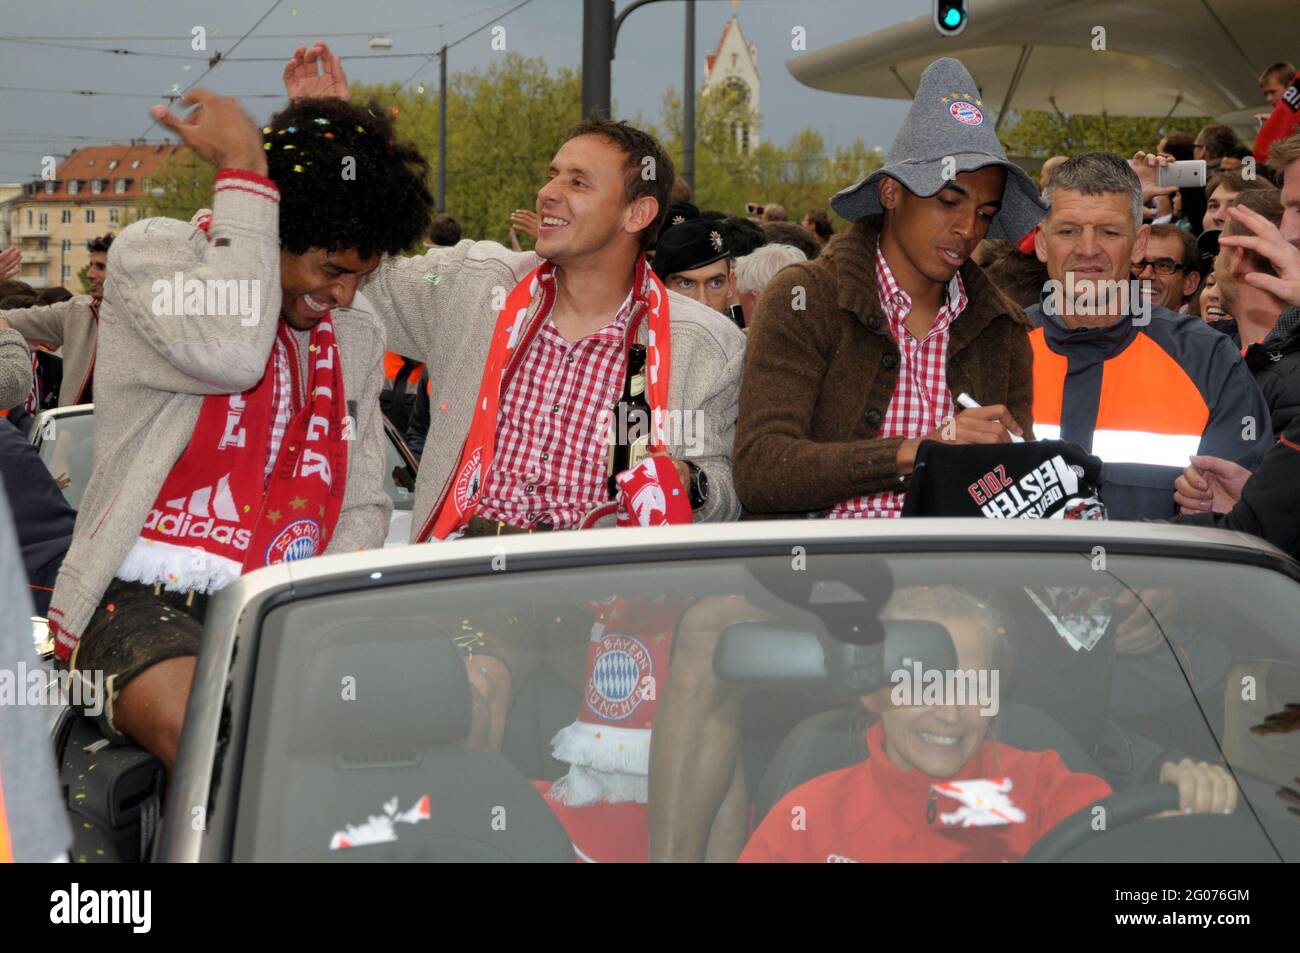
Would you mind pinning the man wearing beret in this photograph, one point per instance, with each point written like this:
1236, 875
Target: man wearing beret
691, 258
853, 360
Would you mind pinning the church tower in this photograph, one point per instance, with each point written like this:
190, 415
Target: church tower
732, 70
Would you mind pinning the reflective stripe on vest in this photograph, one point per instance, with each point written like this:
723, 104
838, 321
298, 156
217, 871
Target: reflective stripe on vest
1133, 446
1149, 411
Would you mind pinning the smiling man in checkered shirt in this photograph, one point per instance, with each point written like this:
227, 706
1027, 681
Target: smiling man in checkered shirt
599, 204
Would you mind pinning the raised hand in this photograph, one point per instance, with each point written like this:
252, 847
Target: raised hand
1147, 165
1266, 241
316, 73
11, 262
218, 130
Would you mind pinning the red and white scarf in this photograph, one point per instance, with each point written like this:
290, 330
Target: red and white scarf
219, 513
510, 341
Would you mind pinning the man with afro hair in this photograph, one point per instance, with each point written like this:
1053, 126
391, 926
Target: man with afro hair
237, 419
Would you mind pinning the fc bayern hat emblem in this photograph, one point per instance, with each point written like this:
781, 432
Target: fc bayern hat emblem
967, 113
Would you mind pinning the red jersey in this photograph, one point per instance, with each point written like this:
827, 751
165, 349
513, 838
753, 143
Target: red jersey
873, 812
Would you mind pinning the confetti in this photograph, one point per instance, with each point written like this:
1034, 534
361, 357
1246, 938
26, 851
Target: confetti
266, 130
360, 129
292, 128
321, 121
297, 168
394, 110
289, 145
433, 278
442, 406
266, 146
329, 135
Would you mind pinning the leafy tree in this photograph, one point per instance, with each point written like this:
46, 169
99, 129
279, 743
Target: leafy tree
1043, 134
179, 187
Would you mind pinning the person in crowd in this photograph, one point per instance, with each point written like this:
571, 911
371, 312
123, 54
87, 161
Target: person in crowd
1213, 143
1179, 146
1049, 166
1263, 326
72, 326
229, 441
741, 235
1233, 160
1128, 380
1284, 120
680, 192
1018, 276
790, 234
867, 347
1223, 188
904, 802
53, 295
1211, 303
445, 230
43, 517
818, 222
692, 259
756, 270
774, 213
1170, 268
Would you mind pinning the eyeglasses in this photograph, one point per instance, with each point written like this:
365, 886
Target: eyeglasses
1161, 266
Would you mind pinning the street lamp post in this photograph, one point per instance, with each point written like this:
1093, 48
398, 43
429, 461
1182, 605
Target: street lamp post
599, 37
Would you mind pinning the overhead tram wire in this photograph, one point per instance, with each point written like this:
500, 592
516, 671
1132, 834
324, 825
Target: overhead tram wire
265, 36
434, 55
214, 63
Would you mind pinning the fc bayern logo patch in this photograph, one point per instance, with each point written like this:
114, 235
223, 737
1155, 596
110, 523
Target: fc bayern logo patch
468, 480
618, 674
296, 541
967, 113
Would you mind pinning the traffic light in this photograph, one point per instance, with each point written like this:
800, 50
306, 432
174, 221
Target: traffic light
950, 16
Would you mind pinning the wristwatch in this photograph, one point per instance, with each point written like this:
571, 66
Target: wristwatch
698, 487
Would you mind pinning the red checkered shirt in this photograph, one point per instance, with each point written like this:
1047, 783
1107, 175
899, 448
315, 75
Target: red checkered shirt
283, 402
921, 400
551, 452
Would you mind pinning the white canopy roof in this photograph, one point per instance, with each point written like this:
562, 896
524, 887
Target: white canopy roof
1161, 57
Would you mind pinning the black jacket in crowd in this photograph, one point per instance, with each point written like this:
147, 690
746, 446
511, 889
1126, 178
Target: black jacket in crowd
1275, 362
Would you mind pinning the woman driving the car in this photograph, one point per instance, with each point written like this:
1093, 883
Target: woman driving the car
937, 786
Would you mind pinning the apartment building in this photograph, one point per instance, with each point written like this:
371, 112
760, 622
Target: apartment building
94, 191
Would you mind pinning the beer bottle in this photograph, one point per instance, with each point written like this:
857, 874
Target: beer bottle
632, 421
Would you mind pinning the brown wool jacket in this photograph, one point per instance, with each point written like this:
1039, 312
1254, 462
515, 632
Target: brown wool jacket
818, 381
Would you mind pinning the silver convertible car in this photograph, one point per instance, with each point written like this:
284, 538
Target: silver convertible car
331, 713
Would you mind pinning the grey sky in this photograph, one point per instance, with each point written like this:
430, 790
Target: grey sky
648, 62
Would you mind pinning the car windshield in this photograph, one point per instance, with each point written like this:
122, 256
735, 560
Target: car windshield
67, 445
1102, 666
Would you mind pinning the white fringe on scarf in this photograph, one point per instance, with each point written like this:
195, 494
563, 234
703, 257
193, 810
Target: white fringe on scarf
177, 568
613, 767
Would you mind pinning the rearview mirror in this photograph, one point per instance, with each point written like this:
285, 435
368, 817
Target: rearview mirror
781, 655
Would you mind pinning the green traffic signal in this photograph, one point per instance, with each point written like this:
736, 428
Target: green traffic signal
952, 17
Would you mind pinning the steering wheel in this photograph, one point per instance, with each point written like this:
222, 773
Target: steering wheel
1125, 807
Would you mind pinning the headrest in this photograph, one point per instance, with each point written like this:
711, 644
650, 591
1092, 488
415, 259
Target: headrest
402, 685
